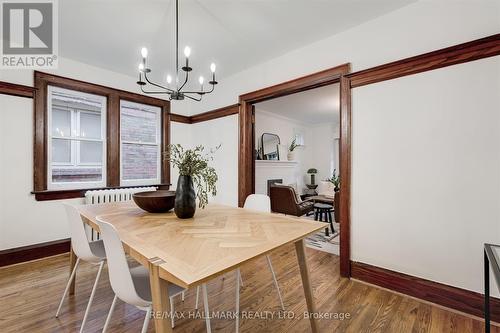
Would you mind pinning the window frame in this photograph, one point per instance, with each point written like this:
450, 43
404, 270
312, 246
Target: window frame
113, 96
140, 182
74, 146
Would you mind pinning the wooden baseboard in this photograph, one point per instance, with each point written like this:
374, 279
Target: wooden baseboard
35, 251
451, 297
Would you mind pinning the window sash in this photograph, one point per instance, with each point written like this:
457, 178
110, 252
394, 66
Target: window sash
157, 143
75, 140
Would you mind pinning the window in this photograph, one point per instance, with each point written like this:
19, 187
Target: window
140, 143
76, 139
88, 136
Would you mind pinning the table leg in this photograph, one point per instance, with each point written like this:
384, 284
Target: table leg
159, 294
72, 262
306, 283
486, 293
331, 221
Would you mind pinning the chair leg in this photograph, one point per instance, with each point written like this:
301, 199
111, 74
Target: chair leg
92, 295
71, 277
240, 278
275, 281
183, 296
197, 297
172, 312
146, 321
207, 311
316, 215
237, 280
108, 318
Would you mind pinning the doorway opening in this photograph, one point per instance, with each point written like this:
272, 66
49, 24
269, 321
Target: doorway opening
251, 152
297, 142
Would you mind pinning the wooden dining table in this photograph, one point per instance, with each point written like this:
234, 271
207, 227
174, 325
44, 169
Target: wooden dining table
189, 252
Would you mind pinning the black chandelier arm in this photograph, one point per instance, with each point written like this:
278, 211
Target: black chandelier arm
200, 92
194, 99
156, 85
185, 81
154, 92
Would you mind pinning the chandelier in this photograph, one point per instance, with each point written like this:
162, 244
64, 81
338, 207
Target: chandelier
176, 93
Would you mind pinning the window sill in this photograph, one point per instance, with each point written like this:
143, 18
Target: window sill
80, 193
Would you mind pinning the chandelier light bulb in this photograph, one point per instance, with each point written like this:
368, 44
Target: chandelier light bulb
187, 51
141, 67
201, 80
169, 79
144, 52
212, 68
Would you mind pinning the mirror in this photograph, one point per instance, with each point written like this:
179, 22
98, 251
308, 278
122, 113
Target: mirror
269, 144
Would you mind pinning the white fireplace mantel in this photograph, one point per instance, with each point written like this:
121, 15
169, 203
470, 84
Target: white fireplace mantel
267, 169
272, 163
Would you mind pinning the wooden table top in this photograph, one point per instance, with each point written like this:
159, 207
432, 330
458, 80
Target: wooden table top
192, 251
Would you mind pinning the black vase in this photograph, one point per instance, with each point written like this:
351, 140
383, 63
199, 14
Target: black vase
185, 198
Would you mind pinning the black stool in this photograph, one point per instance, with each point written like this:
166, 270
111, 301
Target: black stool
323, 213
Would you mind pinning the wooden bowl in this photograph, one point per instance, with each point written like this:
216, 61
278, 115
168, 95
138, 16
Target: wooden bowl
160, 201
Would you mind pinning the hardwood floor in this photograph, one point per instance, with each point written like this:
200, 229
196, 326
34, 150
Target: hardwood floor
29, 296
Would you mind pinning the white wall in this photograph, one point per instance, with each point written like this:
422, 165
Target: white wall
211, 134
425, 172
180, 133
24, 221
318, 151
266, 122
420, 27
323, 153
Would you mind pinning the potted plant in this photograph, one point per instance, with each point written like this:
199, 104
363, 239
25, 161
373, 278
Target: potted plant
335, 180
313, 173
193, 171
291, 150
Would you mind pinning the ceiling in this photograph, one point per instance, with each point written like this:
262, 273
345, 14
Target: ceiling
316, 106
235, 34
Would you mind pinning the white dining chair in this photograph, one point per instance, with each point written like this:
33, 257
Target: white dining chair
262, 203
92, 252
132, 285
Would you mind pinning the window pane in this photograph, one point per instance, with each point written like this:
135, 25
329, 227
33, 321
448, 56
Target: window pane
74, 114
78, 174
90, 125
138, 122
61, 122
139, 161
90, 152
61, 151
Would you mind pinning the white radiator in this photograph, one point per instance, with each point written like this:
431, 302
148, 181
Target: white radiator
116, 195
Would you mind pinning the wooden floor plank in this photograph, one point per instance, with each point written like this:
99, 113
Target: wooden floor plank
29, 295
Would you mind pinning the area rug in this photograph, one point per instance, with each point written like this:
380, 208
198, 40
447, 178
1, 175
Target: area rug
320, 242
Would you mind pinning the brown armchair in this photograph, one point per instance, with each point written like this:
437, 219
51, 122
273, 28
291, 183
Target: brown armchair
284, 200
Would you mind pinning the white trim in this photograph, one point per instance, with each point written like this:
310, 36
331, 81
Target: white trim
74, 139
274, 163
150, 108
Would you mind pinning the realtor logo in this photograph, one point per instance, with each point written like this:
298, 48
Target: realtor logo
29, 34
